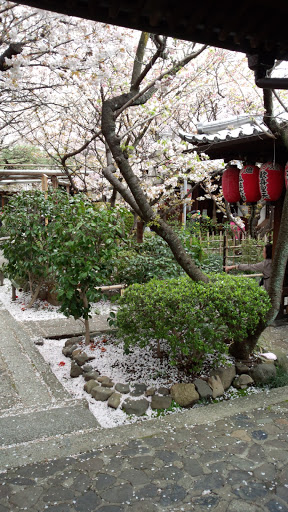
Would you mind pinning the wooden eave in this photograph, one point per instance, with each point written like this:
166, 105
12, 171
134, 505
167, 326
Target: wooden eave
251, 27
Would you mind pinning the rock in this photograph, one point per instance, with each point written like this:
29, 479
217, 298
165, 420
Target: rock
150, 392
90, 385
91, 375
202, 388
122, 388
137, 407
161, 402
216, 385
184, 394
242, 368
80, 358
226, 374
104, 379
88, 368
114, 400
101, 394
76, 370
109, 384
163, 391
138, 389
243, 381
67, 351
262, 373
73, 341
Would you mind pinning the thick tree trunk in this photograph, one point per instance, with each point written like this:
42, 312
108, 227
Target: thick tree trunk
145, 211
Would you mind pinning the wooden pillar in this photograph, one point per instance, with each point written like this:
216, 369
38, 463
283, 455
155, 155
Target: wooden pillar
54, 181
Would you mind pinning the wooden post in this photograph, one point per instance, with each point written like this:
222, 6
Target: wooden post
44, 182
54, 181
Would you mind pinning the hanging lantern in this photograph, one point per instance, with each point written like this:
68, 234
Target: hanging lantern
230, 184
249, 184
286, 175
271, 181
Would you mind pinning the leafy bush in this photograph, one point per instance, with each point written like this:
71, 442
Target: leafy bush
192, 318
153, 259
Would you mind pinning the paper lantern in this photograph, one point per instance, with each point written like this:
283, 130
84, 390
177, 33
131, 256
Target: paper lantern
271, 181
286, 175
249, 184
230, 184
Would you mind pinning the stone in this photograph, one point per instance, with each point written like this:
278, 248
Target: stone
241, 368
104, 379
76, 370
67, 351
122, 388
109, 384
91, 375
137, 407
138, 389
101, 394
184, 394
150, 392
163, 391
114, 400
226, 374
161, 402
262, 373
81, 358
87, 368
73, 341
90, 385
202, 388
216, 385
243, 381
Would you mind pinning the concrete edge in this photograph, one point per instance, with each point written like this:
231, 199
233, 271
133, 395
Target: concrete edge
94, 439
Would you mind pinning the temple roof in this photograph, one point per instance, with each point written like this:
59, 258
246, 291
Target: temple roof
248, 140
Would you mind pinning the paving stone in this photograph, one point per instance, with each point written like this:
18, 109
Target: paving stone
253, 491
134, 476
118, 494
276, 506
104, 481
87, 503
56, 494
29, 496
259, 435
171, 495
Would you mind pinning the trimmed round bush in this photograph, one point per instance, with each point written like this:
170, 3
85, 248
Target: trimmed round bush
193, 319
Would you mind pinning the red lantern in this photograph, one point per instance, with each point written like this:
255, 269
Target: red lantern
249, 184
286, 175
271, 181
230, 184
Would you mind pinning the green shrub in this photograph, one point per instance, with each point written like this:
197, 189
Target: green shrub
153, 259
192, 319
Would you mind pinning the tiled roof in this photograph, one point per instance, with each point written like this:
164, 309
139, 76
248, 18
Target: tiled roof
251, 141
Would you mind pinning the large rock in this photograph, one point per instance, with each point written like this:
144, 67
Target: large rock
262, 373
226, 374
161, 401
137, 407
184, 394
216, 385
202, 388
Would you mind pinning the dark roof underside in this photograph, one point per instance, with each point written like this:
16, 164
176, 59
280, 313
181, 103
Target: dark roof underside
255, 26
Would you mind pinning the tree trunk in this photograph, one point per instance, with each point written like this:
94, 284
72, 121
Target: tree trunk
145, 211
86, 320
